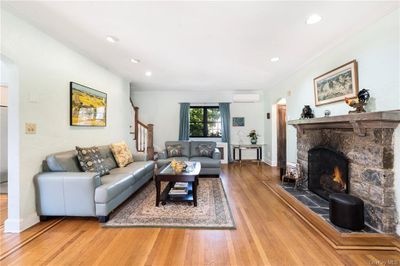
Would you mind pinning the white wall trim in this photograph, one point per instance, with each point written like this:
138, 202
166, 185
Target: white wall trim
291, 164
270, 162
19, 225
9, 72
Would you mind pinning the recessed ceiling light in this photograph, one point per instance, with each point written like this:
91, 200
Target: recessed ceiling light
135, 61
274, 59
148, 73
112, 39
314, 18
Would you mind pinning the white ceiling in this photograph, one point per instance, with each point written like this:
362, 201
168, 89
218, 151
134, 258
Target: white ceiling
201, 45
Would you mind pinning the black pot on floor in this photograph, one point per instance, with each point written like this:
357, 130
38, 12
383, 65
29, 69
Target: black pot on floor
346, 211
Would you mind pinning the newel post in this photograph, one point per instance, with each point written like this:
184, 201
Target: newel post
150, 147
136, 121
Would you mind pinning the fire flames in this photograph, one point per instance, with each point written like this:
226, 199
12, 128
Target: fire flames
337, 177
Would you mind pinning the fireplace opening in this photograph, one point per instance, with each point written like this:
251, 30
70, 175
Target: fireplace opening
327, 171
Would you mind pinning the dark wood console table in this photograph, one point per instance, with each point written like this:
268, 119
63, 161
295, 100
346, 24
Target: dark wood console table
241, 147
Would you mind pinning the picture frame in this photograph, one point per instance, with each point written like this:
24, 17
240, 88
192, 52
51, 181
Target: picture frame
238, 121
88, 107
337, 84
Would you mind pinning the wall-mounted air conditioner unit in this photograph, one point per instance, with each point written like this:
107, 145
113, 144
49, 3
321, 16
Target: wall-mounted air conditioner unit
246, 98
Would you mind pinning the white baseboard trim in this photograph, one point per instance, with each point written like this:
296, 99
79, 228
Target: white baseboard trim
291, 164
19, 225
270, 163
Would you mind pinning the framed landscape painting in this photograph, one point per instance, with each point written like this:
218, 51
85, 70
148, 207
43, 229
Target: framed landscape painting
337, 84
88, 107
238, 121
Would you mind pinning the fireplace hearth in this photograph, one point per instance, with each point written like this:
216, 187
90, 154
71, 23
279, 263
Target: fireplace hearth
327, 171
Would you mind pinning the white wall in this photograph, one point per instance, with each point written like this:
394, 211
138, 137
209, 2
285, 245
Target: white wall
376, 49
162, 109
3, 129
45, 69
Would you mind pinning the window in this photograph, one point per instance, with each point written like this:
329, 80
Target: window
205, 122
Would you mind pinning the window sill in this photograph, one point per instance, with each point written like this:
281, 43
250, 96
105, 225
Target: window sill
205, 139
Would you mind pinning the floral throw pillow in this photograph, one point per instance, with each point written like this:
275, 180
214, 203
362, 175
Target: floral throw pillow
174, 150
122, 154
205, 150
91, 160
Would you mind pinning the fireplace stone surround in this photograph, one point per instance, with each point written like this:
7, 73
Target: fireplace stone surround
367, 140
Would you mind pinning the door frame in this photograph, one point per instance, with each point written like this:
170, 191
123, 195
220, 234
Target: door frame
274, 131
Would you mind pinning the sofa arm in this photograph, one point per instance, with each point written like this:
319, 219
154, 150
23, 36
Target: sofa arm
163, 155
66, 193
216, 154
139, 157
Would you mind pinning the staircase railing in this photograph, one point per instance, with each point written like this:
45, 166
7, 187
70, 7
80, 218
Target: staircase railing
143, 135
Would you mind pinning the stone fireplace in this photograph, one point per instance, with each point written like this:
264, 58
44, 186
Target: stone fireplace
352, 154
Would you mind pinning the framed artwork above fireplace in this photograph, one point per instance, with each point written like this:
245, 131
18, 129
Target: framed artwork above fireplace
337, 84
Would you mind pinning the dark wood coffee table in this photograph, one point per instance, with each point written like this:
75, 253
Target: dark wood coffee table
166, 174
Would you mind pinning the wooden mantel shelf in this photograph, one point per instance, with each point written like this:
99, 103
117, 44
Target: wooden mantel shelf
358, 122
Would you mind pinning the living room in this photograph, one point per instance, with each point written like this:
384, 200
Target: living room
222, 98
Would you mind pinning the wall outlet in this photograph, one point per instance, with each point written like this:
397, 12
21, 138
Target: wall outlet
30, 128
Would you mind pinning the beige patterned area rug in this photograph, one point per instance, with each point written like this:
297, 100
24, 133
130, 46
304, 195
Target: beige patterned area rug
212, 211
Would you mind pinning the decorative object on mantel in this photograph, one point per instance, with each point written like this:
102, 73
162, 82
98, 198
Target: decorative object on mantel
253, 136
360, 102
358, 122
337, 84
307, 112
238, 121
327, 113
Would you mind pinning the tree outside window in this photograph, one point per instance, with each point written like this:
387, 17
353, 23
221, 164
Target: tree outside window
205, 122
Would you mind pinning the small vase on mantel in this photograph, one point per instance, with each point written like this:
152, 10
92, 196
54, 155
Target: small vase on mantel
253, 141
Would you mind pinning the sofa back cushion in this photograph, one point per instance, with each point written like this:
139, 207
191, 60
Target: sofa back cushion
66, 161
185, 147
108, 156
202, 148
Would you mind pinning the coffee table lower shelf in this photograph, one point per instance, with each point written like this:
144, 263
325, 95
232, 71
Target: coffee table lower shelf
165, 197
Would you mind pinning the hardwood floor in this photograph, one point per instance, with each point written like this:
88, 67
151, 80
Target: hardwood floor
3, 209
268, 233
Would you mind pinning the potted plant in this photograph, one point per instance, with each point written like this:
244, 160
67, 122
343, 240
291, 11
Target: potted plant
253, 136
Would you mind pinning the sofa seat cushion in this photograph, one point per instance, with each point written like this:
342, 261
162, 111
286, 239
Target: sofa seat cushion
112, 186
138, 169
207, 162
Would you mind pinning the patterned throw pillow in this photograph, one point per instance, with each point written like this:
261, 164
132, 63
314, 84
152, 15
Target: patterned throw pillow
91, 160
174, 150
122, 154
205, 150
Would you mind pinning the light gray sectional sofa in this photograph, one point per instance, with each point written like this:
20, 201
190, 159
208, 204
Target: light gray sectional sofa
64, 190
209, 165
